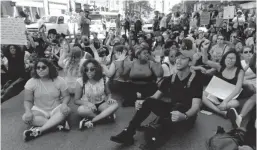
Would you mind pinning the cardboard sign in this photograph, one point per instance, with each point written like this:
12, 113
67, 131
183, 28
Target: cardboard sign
219, 22
13, 31
229, 12
205, 18
220, 88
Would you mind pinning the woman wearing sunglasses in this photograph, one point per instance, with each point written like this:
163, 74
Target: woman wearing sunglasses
230, 70
45, 100
92, 96
250, 76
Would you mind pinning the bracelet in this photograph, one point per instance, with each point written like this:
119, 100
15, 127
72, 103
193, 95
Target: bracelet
186, 117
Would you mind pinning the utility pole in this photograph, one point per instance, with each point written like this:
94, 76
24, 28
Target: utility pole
162, 6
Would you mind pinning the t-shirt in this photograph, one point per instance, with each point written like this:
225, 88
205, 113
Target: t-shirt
179, 92
16, 66
93, 93
47, 94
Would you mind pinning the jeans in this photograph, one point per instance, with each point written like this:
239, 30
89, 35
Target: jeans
162, 110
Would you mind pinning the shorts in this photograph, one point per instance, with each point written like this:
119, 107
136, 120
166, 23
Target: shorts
47, 114
97, 105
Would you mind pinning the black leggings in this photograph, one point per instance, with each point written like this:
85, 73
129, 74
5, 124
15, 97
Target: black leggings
162, 110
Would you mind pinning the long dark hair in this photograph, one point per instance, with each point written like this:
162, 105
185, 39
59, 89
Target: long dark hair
53, 74
238, 59
18, 51
98, 70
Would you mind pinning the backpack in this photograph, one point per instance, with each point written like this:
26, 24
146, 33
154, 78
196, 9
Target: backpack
226, 140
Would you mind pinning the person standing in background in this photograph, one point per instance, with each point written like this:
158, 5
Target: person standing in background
127, 25
84, 23
118, 25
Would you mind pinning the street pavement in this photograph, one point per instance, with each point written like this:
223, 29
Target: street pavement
97, 138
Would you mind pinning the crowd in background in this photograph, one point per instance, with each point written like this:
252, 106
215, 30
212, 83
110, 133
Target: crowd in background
133, 65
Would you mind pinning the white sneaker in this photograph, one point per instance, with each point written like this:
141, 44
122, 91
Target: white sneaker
82, 123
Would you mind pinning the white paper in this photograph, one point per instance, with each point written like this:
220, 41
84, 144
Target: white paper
229, 12
13, 31
220, 88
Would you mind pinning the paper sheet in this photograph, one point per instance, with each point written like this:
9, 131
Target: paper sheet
220, 88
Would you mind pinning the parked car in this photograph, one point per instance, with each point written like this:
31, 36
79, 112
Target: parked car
59, 23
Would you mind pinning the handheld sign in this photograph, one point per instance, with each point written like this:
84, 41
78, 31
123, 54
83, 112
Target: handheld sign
205, 18
13, 31
229, 12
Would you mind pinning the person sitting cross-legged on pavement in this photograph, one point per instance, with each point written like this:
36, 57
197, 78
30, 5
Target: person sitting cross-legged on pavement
184, 88
45, 100
91, 95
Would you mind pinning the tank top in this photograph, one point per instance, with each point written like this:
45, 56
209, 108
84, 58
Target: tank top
233, 80
149, 78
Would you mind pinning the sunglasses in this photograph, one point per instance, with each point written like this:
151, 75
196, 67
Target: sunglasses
220, 39
247, 52
41, 67
90, 69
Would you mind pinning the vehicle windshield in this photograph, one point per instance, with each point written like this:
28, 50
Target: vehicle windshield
96, 22
52, 19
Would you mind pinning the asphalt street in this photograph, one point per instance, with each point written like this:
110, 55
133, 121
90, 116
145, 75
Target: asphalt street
97, 138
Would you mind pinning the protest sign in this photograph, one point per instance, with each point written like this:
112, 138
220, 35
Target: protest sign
229, 12
219, 22
220, 88
205, 18
13, 31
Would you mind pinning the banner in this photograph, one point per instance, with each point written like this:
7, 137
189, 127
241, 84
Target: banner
229, 12
13, 31
205, 18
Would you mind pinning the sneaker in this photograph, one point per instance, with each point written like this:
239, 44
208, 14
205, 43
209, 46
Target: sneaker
234, 117
112, 117
82, 123
30, 134
124, 138
64, 127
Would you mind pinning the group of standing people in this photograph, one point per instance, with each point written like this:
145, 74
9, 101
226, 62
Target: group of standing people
164, 72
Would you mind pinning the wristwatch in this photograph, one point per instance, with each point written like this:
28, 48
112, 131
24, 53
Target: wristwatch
186, 117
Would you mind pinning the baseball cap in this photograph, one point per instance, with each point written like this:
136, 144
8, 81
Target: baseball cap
186, 53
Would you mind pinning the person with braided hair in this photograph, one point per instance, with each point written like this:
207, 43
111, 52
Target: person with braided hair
92, 96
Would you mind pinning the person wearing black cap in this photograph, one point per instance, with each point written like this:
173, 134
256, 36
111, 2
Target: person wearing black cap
185, 91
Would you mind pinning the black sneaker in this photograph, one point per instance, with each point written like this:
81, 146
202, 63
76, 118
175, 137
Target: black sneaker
124, 138
234, 117
64, 126
112, 118
30, 134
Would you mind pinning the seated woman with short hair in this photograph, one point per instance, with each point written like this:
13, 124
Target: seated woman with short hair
45, 100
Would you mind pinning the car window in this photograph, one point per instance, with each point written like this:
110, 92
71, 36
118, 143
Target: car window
52, 19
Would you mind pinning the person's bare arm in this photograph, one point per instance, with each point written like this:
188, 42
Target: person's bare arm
28, 100
78, 95
196, 103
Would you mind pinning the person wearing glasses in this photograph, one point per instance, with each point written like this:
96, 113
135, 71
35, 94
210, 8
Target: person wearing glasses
230, 70
247, 54
218, 50
46, 100
92, 96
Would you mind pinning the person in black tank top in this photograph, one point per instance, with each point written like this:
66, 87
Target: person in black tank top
230, 66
